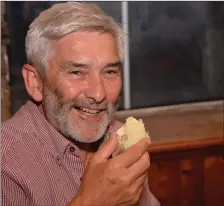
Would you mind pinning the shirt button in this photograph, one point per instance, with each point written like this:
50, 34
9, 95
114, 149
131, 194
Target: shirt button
72, 149
59, 161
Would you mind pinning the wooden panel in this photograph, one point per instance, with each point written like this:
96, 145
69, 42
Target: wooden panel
5, 93
187, 151
188, 176
164, 181
192, 182
214, 181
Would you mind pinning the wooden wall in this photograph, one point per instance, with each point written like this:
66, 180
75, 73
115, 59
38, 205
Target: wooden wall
5, 91
189, 176
187, 153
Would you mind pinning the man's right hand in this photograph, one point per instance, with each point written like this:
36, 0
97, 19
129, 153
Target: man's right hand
116, 181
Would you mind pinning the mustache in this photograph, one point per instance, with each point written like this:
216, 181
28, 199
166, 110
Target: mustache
87, 104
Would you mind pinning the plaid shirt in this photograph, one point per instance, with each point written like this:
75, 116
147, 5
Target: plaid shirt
39, 166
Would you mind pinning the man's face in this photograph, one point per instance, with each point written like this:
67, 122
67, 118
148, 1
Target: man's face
83, 85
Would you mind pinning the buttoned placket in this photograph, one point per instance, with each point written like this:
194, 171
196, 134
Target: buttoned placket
59, 160
72, 149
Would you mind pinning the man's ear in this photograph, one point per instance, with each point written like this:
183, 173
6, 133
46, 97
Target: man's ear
32, 82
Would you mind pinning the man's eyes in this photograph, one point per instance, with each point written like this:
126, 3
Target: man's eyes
108, 72
76, 72
112, 72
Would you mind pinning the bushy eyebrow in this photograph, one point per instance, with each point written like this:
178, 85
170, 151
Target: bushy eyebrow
73, 64
117, 64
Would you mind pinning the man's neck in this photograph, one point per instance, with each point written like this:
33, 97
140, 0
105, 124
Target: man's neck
40, 108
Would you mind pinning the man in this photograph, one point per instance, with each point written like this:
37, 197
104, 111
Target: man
59, 148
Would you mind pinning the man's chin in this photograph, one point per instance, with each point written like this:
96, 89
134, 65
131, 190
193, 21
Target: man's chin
88, 138
88, 134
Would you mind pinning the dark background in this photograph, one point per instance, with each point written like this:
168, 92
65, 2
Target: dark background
176, 50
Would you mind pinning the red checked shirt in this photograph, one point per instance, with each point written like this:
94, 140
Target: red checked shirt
39, 166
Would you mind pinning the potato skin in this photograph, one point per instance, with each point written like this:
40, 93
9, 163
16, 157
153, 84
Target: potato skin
130, 133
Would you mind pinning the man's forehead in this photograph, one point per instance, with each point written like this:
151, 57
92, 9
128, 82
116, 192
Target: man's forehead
83, 38
88, 43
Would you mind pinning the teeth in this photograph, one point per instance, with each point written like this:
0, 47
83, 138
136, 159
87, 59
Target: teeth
90, 111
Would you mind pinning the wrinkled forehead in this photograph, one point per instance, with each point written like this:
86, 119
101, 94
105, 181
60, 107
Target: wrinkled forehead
87, 46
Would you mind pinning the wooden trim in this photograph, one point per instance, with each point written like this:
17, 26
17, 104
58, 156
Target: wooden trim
163, 110
186, 154
184, 145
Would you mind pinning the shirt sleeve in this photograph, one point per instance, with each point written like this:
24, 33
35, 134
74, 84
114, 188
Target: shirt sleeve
147, 198
12, 193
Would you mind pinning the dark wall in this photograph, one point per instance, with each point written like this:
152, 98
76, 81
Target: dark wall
175, 49
170, 54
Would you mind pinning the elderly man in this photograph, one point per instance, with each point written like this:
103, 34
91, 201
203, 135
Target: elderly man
59, 148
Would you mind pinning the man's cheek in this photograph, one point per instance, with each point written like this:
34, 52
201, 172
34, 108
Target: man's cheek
68, 89
113, 92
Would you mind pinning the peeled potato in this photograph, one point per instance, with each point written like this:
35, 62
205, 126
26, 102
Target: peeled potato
130, 133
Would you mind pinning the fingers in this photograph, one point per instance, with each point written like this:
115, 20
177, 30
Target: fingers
131, 155
140, 181
108, 149
136, 198
139, 167
87, 158
137, 188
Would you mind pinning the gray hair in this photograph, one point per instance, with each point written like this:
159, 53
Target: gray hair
62, 19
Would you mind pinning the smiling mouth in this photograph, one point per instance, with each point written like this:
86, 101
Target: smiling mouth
89, 112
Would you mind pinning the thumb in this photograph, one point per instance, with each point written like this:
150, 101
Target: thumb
108, 148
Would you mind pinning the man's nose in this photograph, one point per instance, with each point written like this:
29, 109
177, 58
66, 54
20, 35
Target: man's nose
95, 90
